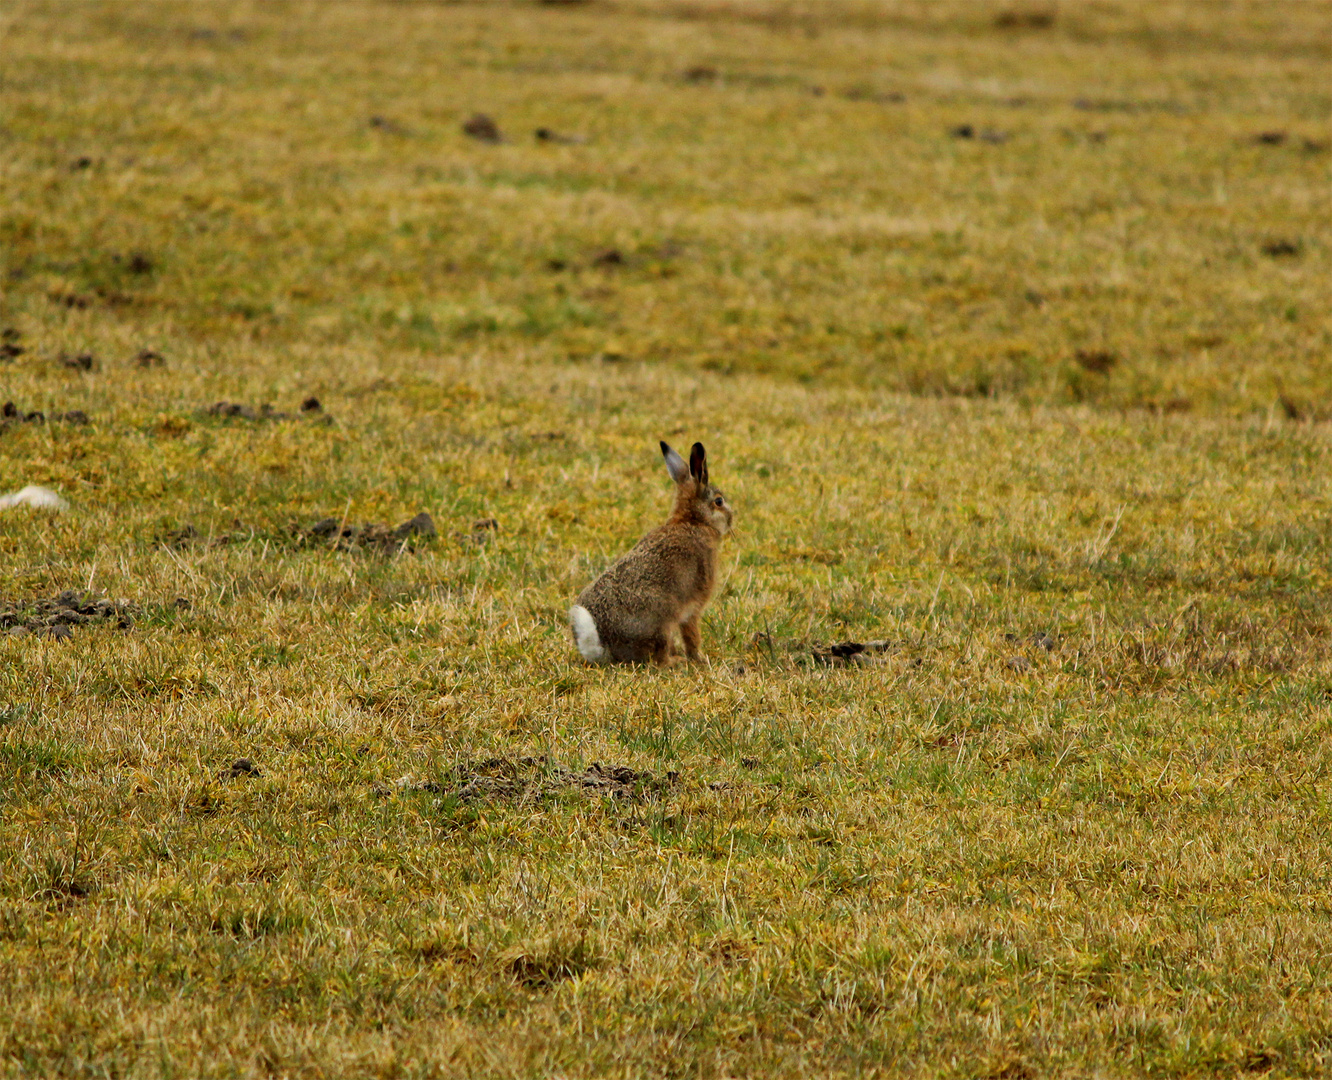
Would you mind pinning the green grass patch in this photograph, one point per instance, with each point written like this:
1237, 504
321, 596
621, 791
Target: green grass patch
1006, 327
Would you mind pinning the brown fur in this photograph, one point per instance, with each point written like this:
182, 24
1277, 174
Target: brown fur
662, 585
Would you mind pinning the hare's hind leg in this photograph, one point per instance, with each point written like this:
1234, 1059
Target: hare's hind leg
638, 650
692, 635
663, 652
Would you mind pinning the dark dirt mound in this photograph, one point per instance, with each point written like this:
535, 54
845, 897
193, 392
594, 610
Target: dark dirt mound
10, 349
1098, 361
545, 134
188, 536
483, 128
235, 410
848, 653
527, 778
12, 414
1277, 249
58, 615
326, 532
346, 536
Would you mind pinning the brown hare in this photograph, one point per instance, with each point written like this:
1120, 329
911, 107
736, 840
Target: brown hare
630, 613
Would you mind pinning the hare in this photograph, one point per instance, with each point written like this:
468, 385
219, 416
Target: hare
631, 612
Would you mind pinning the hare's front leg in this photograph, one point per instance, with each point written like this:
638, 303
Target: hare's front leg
692, 634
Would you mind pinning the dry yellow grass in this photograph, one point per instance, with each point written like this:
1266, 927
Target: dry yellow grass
1034, 408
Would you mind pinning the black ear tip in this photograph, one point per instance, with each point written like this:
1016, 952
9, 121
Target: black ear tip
698, 449
664, 448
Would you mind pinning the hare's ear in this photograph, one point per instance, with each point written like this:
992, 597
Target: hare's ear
698, 463
675, 464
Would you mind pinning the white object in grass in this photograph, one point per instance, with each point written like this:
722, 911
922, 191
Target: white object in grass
40, 498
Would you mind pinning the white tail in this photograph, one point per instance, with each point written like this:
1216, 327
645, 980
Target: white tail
38, 497
586, 636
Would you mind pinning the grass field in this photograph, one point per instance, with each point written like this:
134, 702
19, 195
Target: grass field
1008, 330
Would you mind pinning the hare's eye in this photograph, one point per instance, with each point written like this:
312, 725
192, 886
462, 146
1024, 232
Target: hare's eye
719, 501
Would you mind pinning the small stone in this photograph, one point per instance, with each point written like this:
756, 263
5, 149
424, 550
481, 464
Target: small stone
244, 767
61, 631
19, 631
311, 404
1020, 664
181, 604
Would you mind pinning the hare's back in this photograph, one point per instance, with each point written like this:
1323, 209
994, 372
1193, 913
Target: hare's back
662, 562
